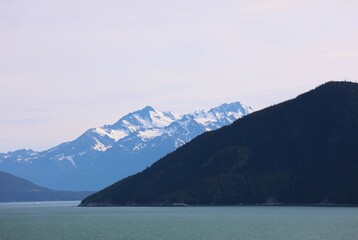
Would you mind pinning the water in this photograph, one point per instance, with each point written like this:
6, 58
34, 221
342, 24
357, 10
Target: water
60, 220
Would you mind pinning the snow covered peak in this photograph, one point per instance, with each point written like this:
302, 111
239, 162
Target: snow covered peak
148, 123
147, 109
222, 115
230, 108
145, 123
146, 118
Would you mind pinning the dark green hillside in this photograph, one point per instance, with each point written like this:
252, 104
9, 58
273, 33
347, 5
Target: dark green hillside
303, 151
15, 189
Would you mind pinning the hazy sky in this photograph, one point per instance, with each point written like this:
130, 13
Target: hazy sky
66, 66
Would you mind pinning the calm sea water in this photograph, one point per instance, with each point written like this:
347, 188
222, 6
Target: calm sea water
61, 220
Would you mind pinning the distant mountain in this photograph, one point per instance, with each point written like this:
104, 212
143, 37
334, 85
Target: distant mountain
15, 189
103, 155
303, 151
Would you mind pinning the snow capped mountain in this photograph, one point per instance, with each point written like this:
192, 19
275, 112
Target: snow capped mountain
105, 154
144, 119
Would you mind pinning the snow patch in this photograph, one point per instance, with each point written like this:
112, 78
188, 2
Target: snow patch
144, 122
205, 120
100, 146
139, 146
130, 126
82, 153
179, 143
100, 131
70, 158
148, 134
21, 159
62, 157
116, 135
160, 119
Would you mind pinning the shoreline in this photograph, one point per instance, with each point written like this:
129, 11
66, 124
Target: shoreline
220, 205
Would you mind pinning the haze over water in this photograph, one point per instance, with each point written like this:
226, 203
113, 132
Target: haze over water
61, 220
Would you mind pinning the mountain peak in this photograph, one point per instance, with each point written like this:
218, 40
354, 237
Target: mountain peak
145, 112
146, 118
148, 109
233, 107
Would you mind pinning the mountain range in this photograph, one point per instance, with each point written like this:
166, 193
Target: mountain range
302, 151
103, 155
15, 189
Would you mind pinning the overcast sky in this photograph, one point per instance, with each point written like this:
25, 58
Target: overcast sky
66, 66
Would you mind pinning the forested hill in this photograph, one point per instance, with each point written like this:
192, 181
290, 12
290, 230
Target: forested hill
15, 189
302, 151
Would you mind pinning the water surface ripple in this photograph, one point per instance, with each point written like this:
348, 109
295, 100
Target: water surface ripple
61, 220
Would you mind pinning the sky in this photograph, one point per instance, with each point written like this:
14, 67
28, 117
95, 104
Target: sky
67, 66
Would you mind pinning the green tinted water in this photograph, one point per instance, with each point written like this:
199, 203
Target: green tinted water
59, 220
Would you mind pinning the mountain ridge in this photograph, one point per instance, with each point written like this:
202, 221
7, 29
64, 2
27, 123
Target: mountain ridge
129, 145
301, 151
15, 189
